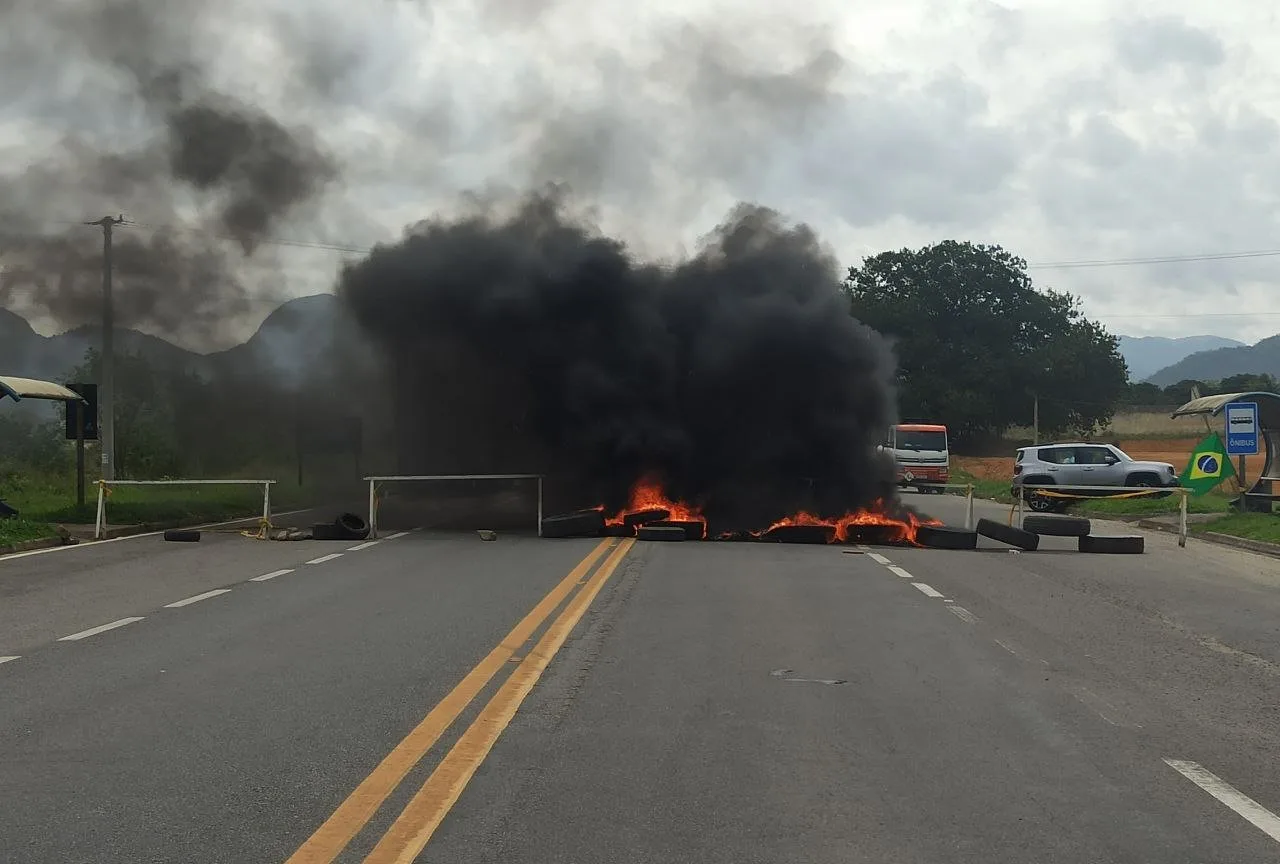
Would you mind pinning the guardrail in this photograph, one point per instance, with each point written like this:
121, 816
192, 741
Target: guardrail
1116, 492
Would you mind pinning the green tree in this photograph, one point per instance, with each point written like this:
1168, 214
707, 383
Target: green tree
1180, 393
1246, 383
1145, 393
976, 342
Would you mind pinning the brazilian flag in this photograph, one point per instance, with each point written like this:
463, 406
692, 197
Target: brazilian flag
1209, 466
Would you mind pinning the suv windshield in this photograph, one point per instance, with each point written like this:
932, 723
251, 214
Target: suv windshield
916, 440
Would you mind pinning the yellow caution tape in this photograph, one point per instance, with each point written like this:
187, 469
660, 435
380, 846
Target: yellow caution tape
1052, 494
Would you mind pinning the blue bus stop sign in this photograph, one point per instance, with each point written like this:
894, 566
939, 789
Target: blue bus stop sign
1242, 428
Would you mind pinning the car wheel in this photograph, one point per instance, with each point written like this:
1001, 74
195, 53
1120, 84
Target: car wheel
1040, 503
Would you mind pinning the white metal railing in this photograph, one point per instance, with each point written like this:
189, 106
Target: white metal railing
374, 483
968, 510
104, 487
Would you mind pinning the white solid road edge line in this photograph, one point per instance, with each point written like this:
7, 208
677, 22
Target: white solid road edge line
94, 631
273, 574
323, 558
364, 545
13, 657
926, 590
1260, 817
89, 544
196, 599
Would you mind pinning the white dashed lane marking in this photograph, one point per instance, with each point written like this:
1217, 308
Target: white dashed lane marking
364, 545
898, 571
323, 558
94, 631
963, 614
926, 590
1257, 815
7, 659
196, 599
273, 574
879, 559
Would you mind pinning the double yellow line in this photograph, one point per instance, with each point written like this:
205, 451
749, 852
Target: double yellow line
413, 828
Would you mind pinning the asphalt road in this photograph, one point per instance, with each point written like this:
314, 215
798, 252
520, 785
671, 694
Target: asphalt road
654, 702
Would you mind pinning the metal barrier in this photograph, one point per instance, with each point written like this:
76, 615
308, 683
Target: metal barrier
104, 490
375, 481
1116, 492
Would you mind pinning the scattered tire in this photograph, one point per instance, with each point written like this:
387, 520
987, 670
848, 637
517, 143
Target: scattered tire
669, 535
1056, 526
178, 535
693, 529
327, 531
1008, 534
1112, 544
812, 534
589, 523
622, 530
946, 537
351, 527
646, 517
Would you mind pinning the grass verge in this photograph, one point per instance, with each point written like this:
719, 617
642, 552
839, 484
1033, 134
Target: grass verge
44, 502
1264, 527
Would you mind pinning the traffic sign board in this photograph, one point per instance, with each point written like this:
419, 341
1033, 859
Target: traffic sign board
1242, 428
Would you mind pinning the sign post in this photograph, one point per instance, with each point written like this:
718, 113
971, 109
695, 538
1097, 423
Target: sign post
82, 425
1241, 432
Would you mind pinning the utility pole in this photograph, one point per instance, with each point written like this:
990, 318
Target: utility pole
107, 425
1035, 418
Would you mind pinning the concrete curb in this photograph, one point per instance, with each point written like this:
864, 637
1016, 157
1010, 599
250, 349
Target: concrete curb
1258, 546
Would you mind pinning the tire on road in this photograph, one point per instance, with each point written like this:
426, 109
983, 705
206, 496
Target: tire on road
1112, 544
180, 535
693, 529
1056, 526
620, 530
1008, 534
327, 531
351, 527
946, 537
811, 534
646, 517
664, 534
589, 523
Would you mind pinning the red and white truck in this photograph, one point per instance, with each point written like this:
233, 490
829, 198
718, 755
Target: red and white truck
920, 454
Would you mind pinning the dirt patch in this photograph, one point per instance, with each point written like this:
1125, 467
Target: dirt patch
985, 468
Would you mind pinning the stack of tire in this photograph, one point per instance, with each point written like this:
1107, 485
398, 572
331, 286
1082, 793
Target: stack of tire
348, 526
1027, 538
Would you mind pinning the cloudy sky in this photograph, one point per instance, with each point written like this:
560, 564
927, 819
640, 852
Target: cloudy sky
1068, 132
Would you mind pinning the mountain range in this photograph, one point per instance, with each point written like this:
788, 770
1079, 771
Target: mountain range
293, 336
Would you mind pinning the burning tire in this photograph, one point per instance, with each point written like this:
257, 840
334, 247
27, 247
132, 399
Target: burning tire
1112, 544
622, 530
811, 534
589, 523
693, 529
646, 517
874, 535
946, 537
1057, 526
1008, 534
177, 535
665, 534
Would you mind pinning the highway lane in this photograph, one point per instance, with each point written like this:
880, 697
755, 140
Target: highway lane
228, 729
716, 702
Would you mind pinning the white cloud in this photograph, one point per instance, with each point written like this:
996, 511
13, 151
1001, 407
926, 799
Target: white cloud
1063, 131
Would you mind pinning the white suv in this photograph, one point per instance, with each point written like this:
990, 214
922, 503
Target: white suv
1064, 466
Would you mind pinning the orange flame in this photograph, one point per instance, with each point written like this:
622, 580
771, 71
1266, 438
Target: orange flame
648, 495
902, 528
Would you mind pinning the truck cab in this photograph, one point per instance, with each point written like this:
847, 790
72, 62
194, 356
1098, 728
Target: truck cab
920, 454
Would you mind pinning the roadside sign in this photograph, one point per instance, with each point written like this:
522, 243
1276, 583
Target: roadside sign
1242, 428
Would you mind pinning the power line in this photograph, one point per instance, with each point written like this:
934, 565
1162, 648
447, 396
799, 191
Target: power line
1164, 259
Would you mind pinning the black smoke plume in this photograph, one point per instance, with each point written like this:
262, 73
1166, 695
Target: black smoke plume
530, 342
